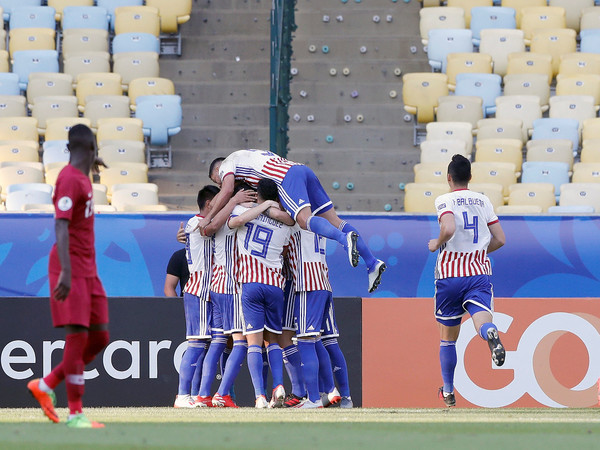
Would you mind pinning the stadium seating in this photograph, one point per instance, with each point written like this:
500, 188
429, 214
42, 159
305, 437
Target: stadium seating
529, 84
31, 39
148, 86
3, 56
467, 6
106, 106
591, 129
590, 18
134, 65
451, 130
540, 194
579, 63
484, 85
590, 151
18, 129
528, 63
573, 9
99, 193
557, 150
586, 172
500, 150
123, 151
55, 151
60, 5
483, 18
133, 195
443, 41
518, 6
83, 40
27, 193
144, 208
172, 14
580, 84
51, 106
110, 129
18, 174
420, 197
590, 41
8, 5
97, 83
493, 191
52, 170
547, 128
554, 42
499, 43
32, 17
440, 17
137, 19
572, 209
466, 63
527, 108
438, 150
77, 63
57, 128
541, 18
19, 151
459, 108
578, 107
495, 128
519, 209
13, 106
26, 62
580, 194
556, 173
161, 115
110, 6
120, 175
502, 173
135, 42
86, 17
44, 84
431, 172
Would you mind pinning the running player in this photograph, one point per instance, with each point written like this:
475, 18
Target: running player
262, 236
469, 230
302, 196
197, 307
77, 301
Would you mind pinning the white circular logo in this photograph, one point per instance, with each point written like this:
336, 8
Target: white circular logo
65, 204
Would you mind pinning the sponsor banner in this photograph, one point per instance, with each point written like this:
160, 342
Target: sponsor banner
552, 356
133, 250
140, 365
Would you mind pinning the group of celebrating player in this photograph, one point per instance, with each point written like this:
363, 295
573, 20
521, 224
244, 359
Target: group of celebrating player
265, 283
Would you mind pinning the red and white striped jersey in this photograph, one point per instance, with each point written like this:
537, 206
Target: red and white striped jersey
253, 165
307, 261
465, 254
224, 279
199, 252
260, 246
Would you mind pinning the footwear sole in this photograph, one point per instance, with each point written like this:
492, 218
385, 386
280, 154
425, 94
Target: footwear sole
353, 255
496, 347
449, 401
49, 413
377, 281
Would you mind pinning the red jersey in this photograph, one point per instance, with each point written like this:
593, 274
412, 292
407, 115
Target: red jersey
73, 201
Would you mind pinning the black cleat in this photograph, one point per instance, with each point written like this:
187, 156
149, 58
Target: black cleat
292, 401
448, 398
496, 347
351, 242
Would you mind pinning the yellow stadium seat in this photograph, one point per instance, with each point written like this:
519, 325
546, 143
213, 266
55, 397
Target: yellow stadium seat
38, 207
137, 19
18, 129
106, 106
13, 106
495, 128
527, 108
59, 5
586, 173
84, 40
420, 197
466, 63
143, 208
459, 108
52, 106
493, 191
591, 129
557, 150
541, 18
132, 65
519, 209
579, 107
529, 84
518, 6
57, 128
76, 63
466, 5
52, 172
590, 18
499, 43
590, 150
121, 175
554, 42
172, 14
539, 194
119, 130
431, 172
500, 150
3, 60
437, 150
440, 17
580, 84
19, 174
574, 9
577, 194
420, 93
451, 130
502, 173
45, 83
123, 152
579, 63
31, 39
101, 209
133, 195
528, 62
99, 193
97, 83
149, 86
20, 151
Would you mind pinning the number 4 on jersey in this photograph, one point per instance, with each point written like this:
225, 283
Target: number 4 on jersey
472, 226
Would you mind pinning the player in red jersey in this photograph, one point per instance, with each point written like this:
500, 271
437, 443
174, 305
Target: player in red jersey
77, 299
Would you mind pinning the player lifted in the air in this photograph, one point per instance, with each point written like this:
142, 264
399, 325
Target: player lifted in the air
469, 230
300, 193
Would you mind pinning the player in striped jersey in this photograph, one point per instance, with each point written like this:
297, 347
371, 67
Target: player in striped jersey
301, 194
225, 301
199, 251
262, 234
469, 230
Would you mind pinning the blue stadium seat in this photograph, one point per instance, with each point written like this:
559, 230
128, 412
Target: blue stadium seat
556, 128
9, 84
9, 5
483, 17
33, 17
90, 17
161, 116
135, 42
110, 6
484, 85
556, 173
442, 41
30, 61
590, 41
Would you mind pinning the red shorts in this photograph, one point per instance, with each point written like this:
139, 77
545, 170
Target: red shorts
85, 305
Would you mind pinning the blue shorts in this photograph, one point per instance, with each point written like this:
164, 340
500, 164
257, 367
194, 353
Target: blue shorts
198, 315
227, 315
330, 326
310, 312
301, 188
262, 307
289, 296
454, 296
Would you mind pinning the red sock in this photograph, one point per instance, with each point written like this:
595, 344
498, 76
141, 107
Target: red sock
97, 340
73, 367
54, 378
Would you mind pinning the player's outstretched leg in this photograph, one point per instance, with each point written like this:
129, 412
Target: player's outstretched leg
45, 397
190, 358
448, 364
496, 347
340, 370
232, 368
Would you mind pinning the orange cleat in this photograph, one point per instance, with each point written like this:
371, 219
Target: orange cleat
47, 400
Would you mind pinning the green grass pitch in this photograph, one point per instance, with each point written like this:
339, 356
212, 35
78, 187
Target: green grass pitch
130, 428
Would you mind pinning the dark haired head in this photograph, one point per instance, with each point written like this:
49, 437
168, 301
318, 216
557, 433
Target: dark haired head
213, 165
267, 190
81, 138
242, 185
205, 194
459, 170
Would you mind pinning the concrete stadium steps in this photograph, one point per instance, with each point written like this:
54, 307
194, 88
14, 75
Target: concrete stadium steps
219, 138
351, 202
367, 136
360, 71
223, 48
197, 71
225, 115
334, 114
343, 47
232, 93
353, 160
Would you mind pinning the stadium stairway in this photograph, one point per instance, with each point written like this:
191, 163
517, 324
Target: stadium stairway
223, 78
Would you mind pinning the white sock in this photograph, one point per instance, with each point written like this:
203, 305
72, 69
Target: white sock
43, 386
